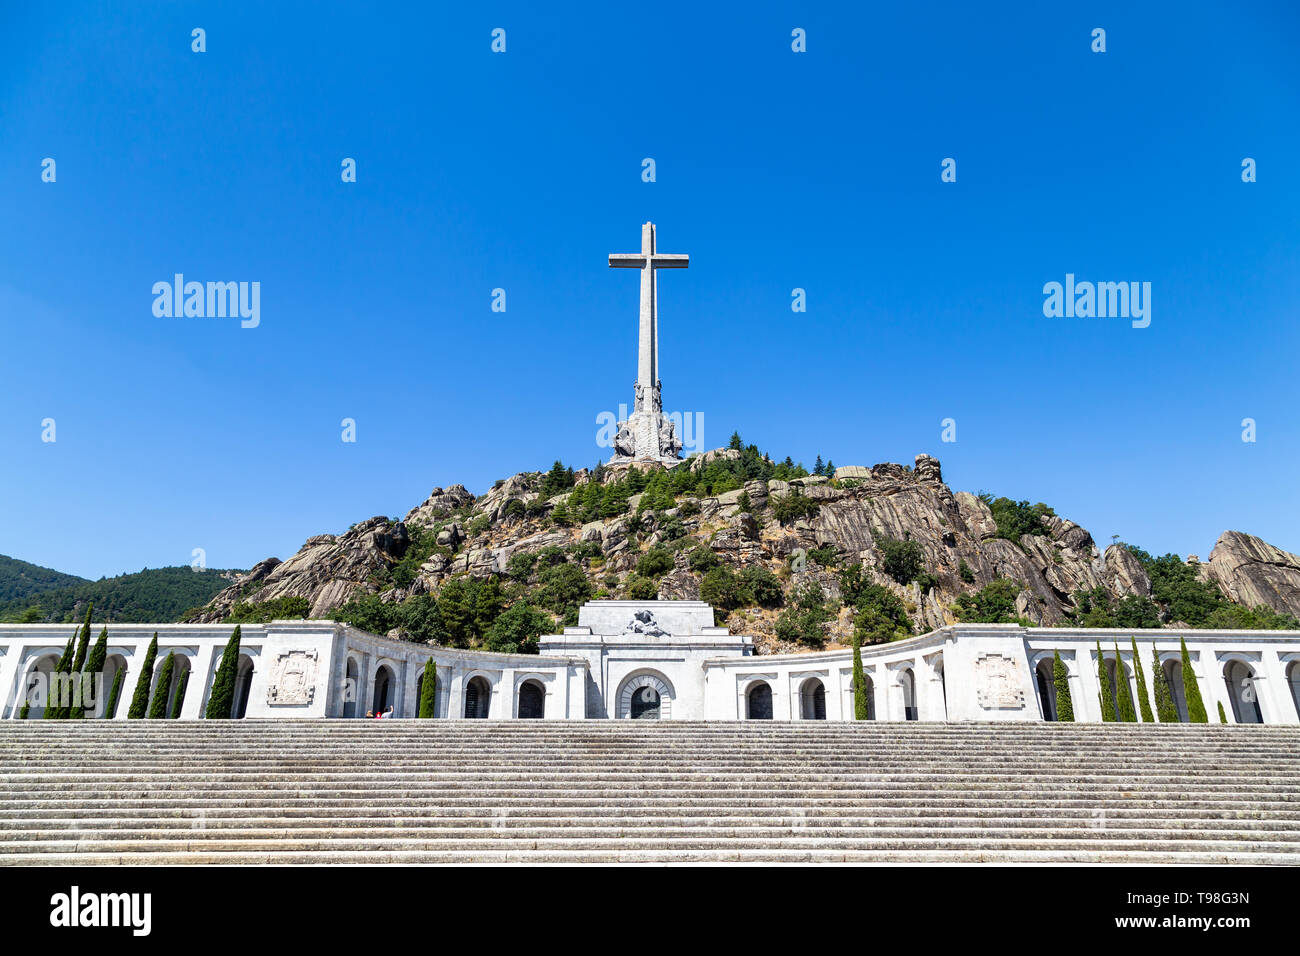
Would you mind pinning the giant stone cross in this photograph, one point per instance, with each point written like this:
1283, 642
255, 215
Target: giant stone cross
648, 435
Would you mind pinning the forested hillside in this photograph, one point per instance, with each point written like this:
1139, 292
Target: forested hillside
19, 579
150, 595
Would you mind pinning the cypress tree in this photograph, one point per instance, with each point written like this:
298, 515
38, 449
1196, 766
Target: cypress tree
180, 695
22, 714
53, 708
94, 666
1107, 697
429, 689
140, 700
859, 680
158, 703
1143, 700
1165, 708
222, 702
1223, 718
1192, 690
1126, 712
1064, 704
111, 711
83, 645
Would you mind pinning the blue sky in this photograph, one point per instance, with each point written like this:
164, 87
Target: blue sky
522, 170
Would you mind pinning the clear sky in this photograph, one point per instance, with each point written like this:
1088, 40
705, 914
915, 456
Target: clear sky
522, 170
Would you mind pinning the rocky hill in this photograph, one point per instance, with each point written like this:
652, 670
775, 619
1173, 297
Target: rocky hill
941, 554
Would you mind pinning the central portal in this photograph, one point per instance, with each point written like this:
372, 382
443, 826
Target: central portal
645, 704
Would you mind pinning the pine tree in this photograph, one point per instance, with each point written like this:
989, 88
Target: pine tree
222, 702
140, 700
829, 470
429, 690
94, 668
1144, 702
1107, 697
1126, 712
1064, 704
1165, 708
111, 711
818, 466
54, 709
158, 703
859, 680
1223, 718
180, 695
735, 444
1192, 690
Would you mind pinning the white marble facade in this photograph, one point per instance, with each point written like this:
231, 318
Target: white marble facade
666, 659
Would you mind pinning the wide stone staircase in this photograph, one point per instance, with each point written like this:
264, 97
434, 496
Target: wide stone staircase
447, 791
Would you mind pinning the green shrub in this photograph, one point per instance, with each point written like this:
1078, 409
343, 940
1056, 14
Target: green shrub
517, 629
1223, 718
722, 588
221, 701
1192, 690
802, 621
162, 692
702, 559
965, 573
1126, 712
826, 556
655, 563
901, 560
143, 683
1165, 709
429, 690
995, 603
763, 587
792, 506
1108, 712
637, 588
1061, 679
1143, 702
285, 608
1017, 518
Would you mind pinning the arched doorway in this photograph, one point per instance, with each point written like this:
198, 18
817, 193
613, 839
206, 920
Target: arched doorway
1293, 681
907, 683
478, 698
1046, 682
645, 697
114, 664
1242, 692
243, 687
351, 688
812, 699
1174, 678
36, 686
532, 700
759, 701
383, 690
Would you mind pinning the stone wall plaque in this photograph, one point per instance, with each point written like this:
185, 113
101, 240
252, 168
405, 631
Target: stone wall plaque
998, 683
293, 678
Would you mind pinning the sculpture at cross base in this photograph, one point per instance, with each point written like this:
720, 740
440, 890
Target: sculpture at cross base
648, 434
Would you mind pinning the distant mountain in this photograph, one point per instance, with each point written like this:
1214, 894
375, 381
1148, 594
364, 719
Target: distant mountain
19, 579
150, 595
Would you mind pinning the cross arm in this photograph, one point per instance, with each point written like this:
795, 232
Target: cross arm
626, 262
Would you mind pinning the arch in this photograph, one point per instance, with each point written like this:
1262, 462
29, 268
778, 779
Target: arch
1242, 693
478, 698
243, 687
870, 691
1293, 681
758, 701
532, 700
907, 684
36, 685
113, 664
1173, 669
1045, 680
656, 703
383, 695
812, 699
351, 687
